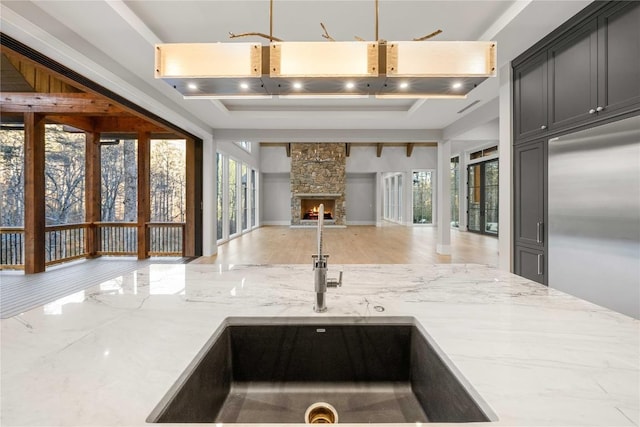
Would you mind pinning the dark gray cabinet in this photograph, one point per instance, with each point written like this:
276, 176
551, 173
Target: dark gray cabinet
530, 263
587, 73
530, 95
530, 175
573, 78
619, 58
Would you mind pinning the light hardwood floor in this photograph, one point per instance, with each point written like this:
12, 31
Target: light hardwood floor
389, 244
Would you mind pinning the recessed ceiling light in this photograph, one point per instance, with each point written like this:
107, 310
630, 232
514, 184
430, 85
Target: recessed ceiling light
350, 85
192, 86
244, 85
456, 85
404, 85
297, 85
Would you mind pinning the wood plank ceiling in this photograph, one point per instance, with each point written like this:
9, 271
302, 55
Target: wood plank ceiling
26, 86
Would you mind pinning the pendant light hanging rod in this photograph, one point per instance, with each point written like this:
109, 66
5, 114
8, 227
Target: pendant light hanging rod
271, 20
377, 12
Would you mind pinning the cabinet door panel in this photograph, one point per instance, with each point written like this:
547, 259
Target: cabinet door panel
573, 78
530, 263
531, 97
619, 58
529, 193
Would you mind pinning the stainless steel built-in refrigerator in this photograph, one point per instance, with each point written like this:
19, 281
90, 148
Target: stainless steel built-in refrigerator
594, 215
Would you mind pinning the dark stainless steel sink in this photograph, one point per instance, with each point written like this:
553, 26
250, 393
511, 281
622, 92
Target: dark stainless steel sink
270, 370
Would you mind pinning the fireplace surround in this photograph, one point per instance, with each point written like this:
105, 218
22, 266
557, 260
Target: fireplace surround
318, 175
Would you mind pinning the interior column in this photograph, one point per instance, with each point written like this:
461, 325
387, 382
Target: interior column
443, 197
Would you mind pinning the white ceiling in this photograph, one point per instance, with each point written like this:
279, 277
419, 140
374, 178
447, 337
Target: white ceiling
112, 43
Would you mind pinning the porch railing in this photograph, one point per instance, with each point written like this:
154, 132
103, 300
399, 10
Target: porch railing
117, 238
68, 242
64, 243
12, 247
166, 238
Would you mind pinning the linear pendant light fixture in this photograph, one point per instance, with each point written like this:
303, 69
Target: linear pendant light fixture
398, 69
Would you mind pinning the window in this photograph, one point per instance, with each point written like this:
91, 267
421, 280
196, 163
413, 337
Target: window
244, 190
455, 192
423, 197
233, 194
220, 196
393, 198
245, 145
253, 197
237, 197
485, 152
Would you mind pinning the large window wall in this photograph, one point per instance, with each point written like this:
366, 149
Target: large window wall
393, 197
423, 189
236, 193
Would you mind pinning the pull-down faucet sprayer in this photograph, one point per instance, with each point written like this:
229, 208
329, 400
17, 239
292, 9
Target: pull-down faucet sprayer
320, 269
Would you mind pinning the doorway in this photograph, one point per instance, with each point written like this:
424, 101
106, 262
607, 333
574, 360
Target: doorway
482, 197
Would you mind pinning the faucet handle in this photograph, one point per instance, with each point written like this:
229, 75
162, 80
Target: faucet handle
333, 283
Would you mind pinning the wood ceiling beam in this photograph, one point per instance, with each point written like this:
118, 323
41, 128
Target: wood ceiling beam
409, 146
84, 123
126, 124
60, 103
409, 149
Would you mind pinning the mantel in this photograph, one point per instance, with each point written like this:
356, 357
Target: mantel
317, 195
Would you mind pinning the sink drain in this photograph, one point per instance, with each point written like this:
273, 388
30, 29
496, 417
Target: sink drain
321, 413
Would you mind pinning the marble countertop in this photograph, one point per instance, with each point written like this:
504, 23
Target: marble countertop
107, 355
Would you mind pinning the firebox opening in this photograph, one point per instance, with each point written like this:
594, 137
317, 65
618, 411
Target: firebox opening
309, 208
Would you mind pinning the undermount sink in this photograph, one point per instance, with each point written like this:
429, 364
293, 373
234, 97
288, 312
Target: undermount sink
271, 370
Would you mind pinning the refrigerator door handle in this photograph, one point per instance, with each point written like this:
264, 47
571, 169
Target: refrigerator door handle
540, 272
539, 231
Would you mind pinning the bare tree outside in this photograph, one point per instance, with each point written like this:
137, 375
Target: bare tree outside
64, 176
11, 178
167, 181
119, 174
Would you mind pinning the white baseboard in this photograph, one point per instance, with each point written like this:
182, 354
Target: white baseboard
275, 223
361, 223
443, 249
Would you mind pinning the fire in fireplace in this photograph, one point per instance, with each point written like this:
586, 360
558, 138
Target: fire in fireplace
309, 208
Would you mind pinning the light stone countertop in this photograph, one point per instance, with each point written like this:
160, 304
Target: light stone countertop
107, 355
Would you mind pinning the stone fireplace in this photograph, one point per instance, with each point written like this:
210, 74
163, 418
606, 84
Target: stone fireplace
318, 175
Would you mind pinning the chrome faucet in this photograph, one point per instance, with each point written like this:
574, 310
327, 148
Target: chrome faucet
321, 283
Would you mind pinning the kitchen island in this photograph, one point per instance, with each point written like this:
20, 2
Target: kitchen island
107, 355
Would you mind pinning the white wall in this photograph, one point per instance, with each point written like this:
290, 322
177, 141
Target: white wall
275, 200
274, 160
393, 159
361, 198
